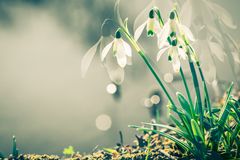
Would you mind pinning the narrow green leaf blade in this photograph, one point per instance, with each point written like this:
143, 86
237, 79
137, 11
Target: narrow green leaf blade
184, 103
196, 131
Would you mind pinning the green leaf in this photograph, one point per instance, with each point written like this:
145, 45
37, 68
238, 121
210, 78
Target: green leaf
178, 131
235, 108
111, 151
185, 146
226, 108
196, 131
148, 147
184, 103
195, 106
235, 116
14, 147
177, 123
215, 110
1, 156
68, 151
235, 134
224, 114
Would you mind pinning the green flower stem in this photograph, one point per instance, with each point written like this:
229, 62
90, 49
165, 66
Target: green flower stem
187, 90
206, 94
197, 90
146, 61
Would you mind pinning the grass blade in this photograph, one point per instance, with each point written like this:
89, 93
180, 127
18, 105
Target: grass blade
196, 131
184, 103
226, 108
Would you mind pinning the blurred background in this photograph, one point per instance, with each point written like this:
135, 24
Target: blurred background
46, 103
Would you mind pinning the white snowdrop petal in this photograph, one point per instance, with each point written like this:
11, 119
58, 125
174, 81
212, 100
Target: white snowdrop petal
217, 50
187, 32
143, 15
164, 33
129, 60
115, 72
236, 56
176, 64
227, 20
88, 57
160, 53
106, 50
182, 53
121, 59
139, 31
170, 52
157, 28
163, 44
127, 48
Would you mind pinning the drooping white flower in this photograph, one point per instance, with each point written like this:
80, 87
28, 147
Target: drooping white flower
143, 16
172, 26
175, 52
121, 50
122, 55
152, 26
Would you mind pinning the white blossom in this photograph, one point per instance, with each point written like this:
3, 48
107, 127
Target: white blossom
121, 50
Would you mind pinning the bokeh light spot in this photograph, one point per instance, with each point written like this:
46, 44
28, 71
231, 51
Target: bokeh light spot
147, 102
111, 88
103, 122
168, 77
155, 99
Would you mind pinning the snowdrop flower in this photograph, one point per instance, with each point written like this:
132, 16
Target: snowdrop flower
143, 17
152, 25
175, 52
121, 50
122, 55
182, 32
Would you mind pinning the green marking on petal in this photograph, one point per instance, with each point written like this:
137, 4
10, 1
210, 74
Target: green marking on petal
150, 33
169, 40
118, 34
173, 34
174, 42
151, 14
172, 15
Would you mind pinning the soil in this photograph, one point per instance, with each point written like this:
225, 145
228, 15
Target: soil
155, 149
